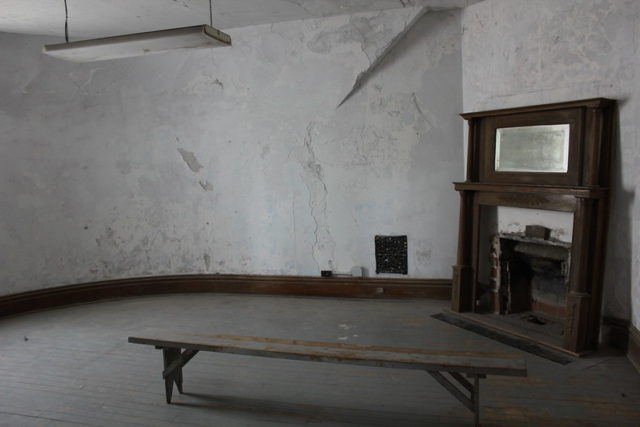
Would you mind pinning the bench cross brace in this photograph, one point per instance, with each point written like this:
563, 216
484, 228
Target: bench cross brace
472, 401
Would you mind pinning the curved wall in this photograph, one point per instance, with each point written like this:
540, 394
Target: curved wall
232, 161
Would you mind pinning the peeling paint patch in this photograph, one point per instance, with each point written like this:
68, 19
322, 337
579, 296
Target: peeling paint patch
107, 238
202, 85
373, 65
190, 159
361, 30
206, 185
423, 251
417, 104
207, 261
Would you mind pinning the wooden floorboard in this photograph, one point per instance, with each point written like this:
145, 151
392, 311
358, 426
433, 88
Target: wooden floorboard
76, 368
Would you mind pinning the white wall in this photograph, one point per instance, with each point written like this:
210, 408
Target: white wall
232, 160
524, 52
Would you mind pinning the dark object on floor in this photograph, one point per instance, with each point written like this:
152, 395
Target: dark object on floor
504, 338
457, 371
534, 319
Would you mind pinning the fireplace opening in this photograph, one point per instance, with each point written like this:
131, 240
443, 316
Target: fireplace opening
528, 279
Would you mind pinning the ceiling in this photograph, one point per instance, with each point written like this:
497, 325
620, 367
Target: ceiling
98, 18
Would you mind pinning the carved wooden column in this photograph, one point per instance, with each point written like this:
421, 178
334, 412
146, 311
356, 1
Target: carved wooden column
579, 293
462, 292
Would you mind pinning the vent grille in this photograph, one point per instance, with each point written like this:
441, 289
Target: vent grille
391, 254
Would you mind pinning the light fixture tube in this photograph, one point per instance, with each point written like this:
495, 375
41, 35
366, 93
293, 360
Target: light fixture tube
139, 44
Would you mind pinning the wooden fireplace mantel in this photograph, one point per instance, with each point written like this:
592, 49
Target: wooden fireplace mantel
582, 190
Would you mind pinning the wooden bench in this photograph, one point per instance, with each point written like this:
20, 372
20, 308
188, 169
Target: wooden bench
457, 371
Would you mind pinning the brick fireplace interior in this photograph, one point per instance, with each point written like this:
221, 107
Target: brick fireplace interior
526, 282
529, 274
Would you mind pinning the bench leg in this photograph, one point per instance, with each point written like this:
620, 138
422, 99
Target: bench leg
173, 363
475, 397
170, 356
178, 380
471, 399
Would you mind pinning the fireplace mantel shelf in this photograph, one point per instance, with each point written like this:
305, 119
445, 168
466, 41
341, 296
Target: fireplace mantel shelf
581, 192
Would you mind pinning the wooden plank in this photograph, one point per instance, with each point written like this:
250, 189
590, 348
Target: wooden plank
465, 362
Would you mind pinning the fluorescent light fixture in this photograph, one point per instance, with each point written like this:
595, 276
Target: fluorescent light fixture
139, 44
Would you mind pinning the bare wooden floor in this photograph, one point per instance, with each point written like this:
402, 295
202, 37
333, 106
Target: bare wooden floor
74, 366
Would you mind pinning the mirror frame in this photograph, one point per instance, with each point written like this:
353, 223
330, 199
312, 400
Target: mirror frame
488, 131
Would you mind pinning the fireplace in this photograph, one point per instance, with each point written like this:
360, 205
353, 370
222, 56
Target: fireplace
555, 158
529, 275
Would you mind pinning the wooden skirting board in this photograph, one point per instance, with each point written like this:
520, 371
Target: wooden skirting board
633, 352
345, 287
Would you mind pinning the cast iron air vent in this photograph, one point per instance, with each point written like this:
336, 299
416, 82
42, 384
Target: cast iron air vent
391, 254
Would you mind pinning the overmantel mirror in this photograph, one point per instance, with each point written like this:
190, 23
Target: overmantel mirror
537, 149
533, 218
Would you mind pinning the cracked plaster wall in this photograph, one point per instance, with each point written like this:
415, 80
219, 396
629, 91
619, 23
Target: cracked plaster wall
232, 160
515, 53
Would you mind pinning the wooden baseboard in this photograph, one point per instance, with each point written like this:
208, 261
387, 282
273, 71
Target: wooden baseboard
633, 351
616, 332
345, 287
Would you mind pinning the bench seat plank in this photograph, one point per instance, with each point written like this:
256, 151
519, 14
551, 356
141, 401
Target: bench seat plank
390, 357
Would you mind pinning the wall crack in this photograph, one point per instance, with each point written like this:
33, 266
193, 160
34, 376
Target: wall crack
318, 194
